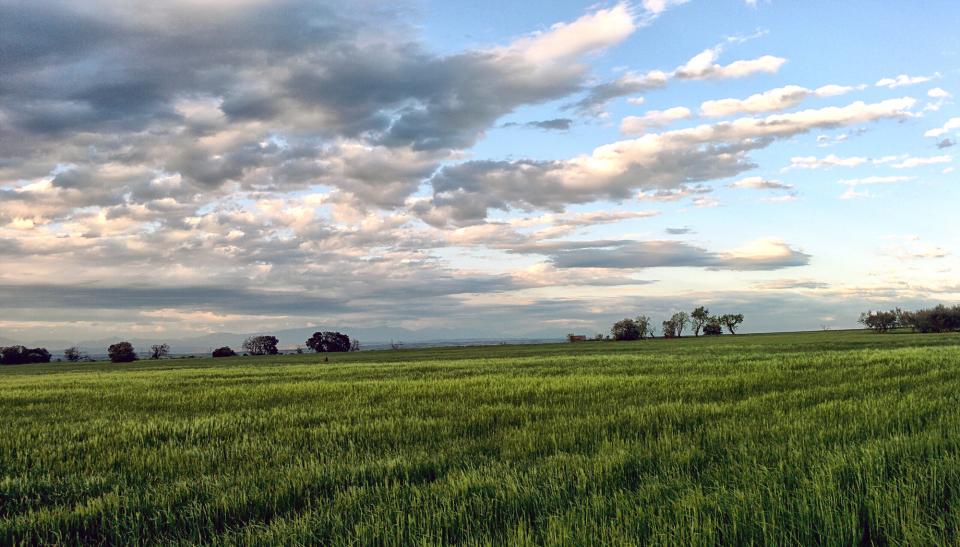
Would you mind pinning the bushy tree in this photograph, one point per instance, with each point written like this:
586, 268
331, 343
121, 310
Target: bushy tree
158, 351
937, 319
732, 321
712, 327
122, 352
261, 345
698, 318
879, 321
354, 345
625, 329
323, 342
225, 351
20, 355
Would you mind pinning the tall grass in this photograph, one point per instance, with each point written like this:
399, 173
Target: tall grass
830, 438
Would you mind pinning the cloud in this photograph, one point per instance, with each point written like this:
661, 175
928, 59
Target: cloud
634, 125
695, 192
700, 67
938, 93
597, 97
703, 66
950, 125
901, 80
780, 98
656, 7
790, 284
679, 231
556, 124
565, 41
876, 180
765, 254
945, 143
812, 162
760, 183
463, 193
911, 162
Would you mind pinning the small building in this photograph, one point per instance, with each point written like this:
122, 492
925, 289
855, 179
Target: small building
576, 338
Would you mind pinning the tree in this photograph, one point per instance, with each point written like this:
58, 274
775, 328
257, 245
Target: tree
323, 342
731, 321
712, 327
354, 345
625, 329
698, 318
20, 355
936, 319
73, 354
158, 351
38, 355
670, 328
907, 318
645, 326
261, 345
878, 321
122, 352
225, 351
680, 320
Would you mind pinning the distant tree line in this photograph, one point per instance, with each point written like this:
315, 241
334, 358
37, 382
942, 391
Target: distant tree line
699, 321
939, 318
124, 352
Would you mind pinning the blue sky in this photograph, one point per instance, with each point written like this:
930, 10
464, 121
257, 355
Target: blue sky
514, 168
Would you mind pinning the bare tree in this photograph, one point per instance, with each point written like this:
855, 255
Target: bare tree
73, 354
158, 351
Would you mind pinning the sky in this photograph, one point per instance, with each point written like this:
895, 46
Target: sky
507, 168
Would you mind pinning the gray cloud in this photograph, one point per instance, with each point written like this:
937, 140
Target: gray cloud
596, 98
945, 143
662, 254
558, 124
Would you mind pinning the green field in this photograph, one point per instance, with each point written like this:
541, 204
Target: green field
836, 438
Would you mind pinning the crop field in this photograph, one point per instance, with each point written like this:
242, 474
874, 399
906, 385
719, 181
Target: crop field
836, 438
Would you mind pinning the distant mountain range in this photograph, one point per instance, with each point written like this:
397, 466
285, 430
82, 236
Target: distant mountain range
370, 338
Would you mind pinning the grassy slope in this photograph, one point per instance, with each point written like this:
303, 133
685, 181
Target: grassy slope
829, 437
